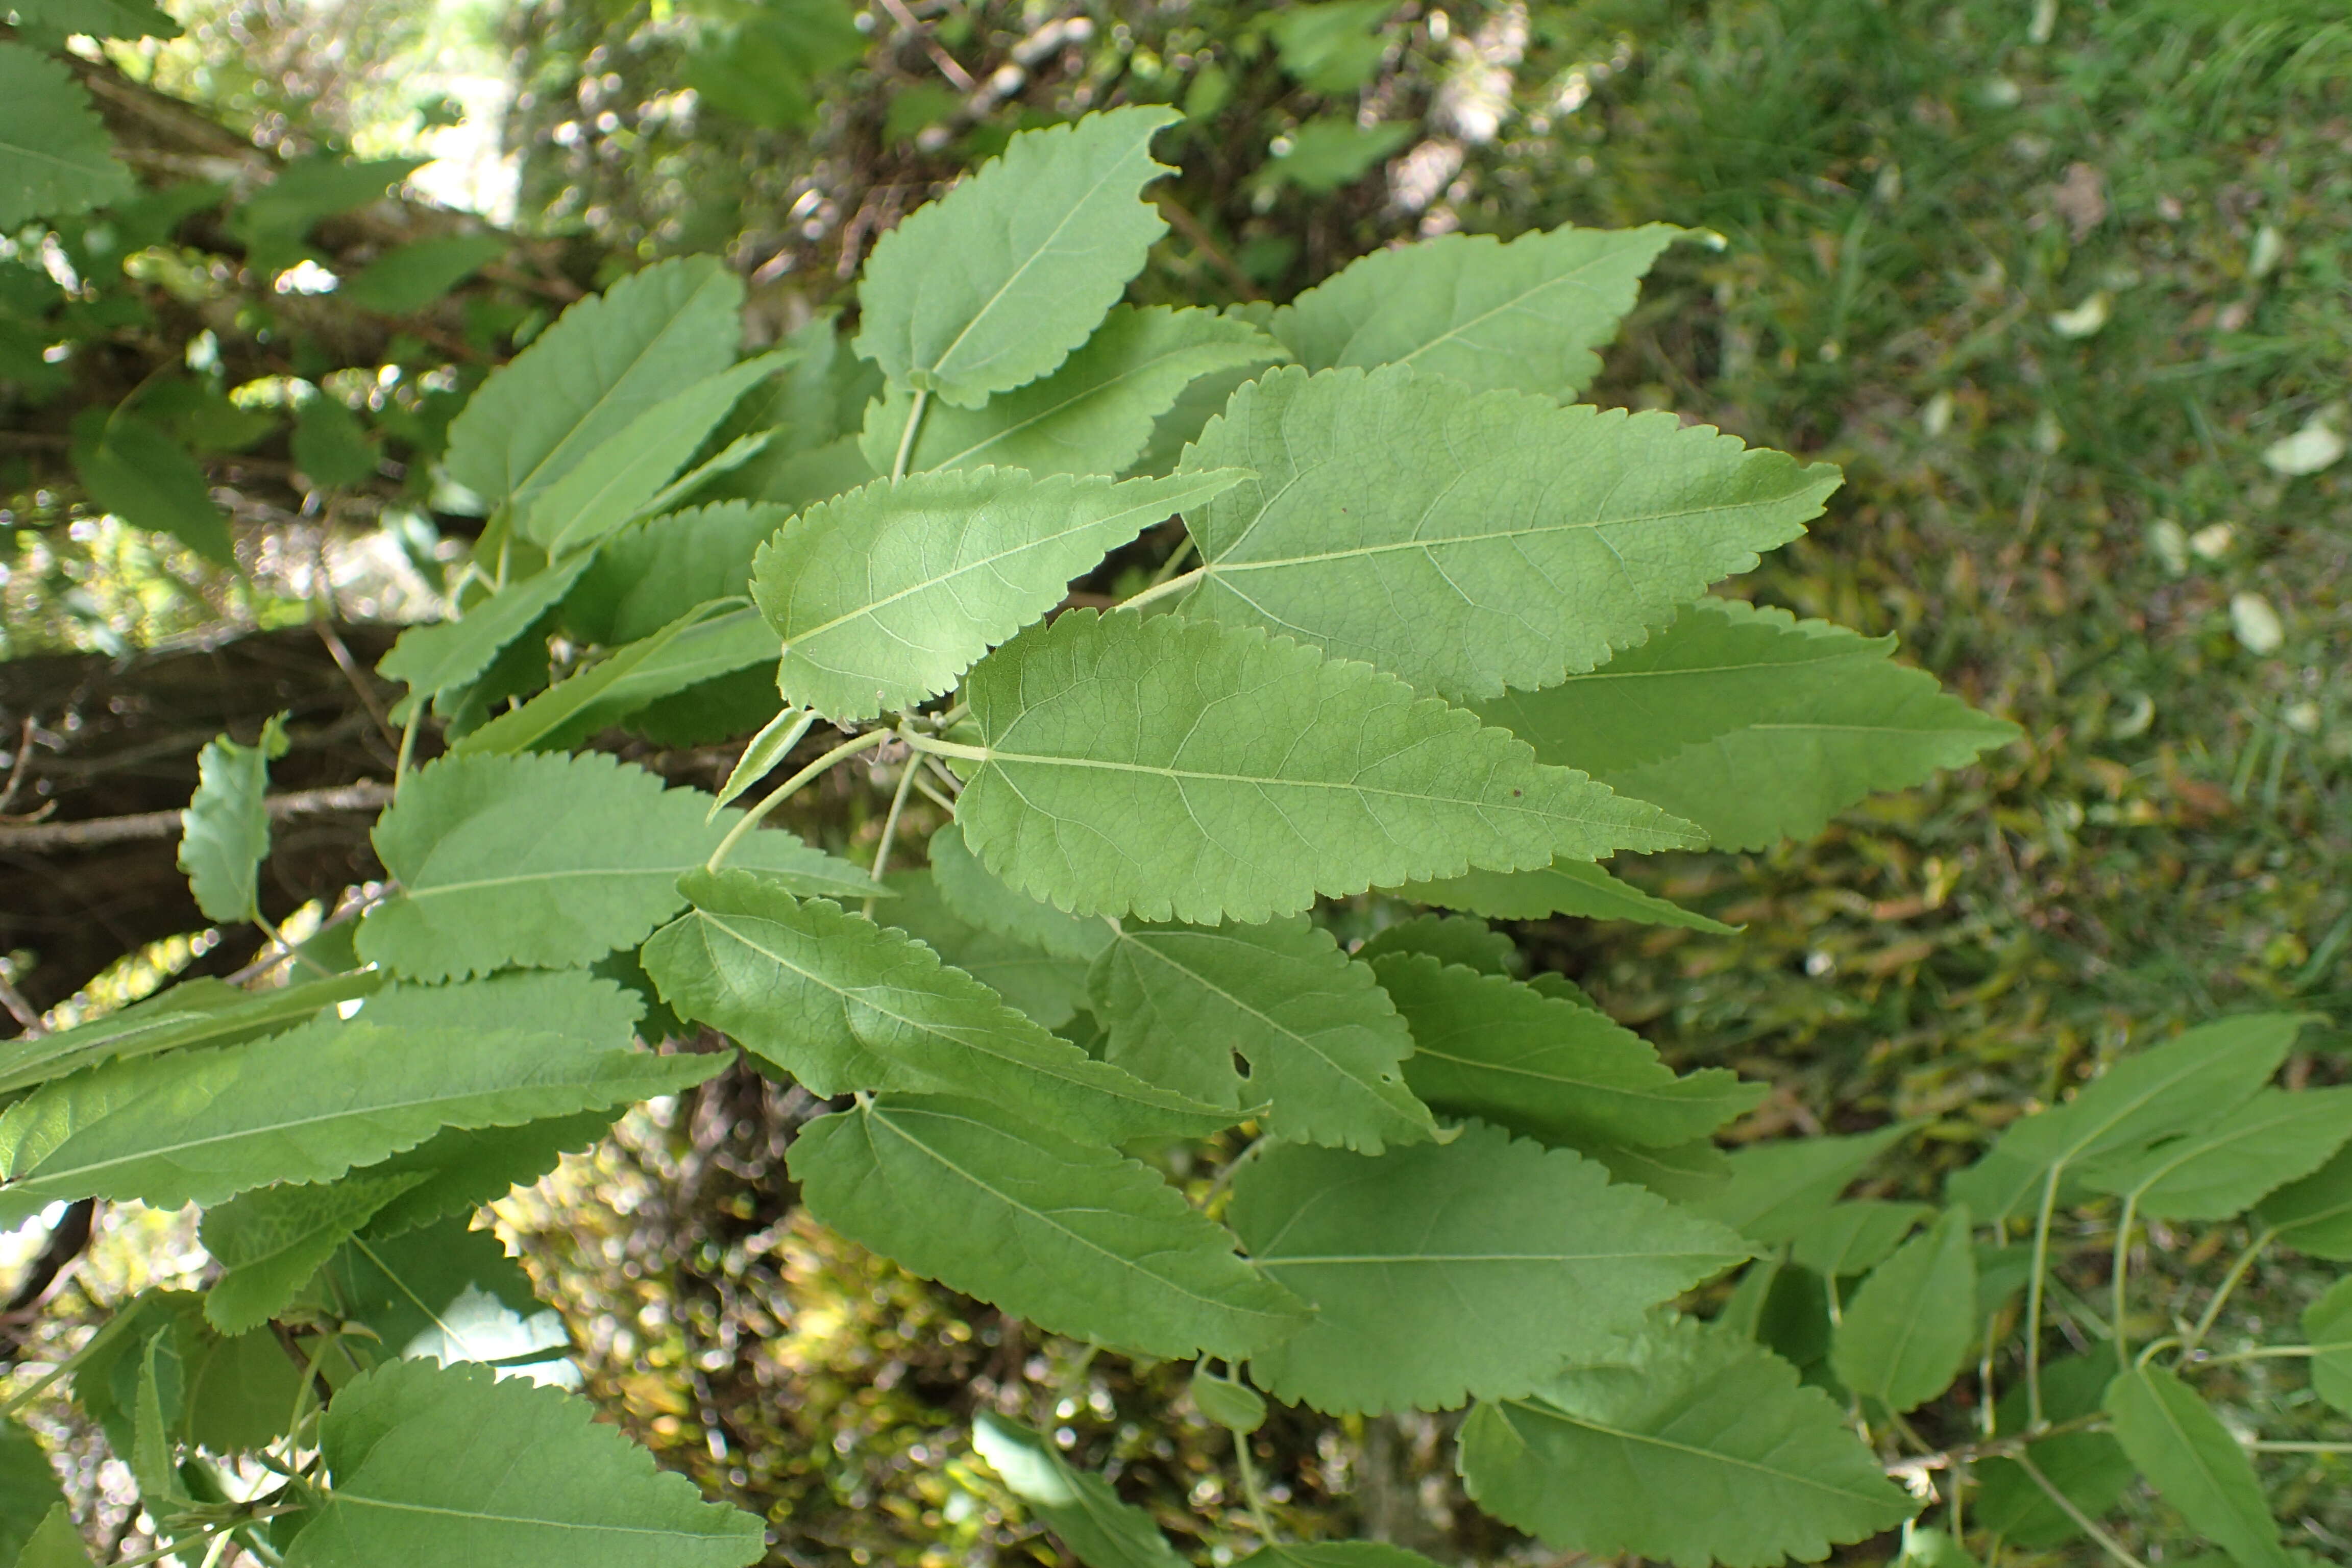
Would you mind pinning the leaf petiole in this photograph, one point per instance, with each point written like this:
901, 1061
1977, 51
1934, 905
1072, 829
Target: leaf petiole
789, 788
1162, 590
907, 437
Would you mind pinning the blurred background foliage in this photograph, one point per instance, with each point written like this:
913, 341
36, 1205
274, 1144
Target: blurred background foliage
2061, 284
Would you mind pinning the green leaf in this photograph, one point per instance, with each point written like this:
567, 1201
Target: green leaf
1177, 1003
407, 278
29, 1491
1328, 151
445, 655
617, 480
547, 861
97, 19
2327, 1329
459, 1169
1694, 1446
1077, 1238
1078, 1507
1047, 986
843, 1004
225, 832
1485, 1045
1450, 939
1467, 543
270, 1241
1093, 416
992, 286
770, 746
975, 896
1464, 1270
1562, 888
2090, 1468
2314, 1215
1846, 1240
58, 159
1523, 315
331, 445
456, 1464
1751, 724
1682, 1173
656, 689
198, 1013
448, 1293
1906, 1334
54, 1543
1125, 772
2183, 1084
578, 706
2187, 1453
2219, 1172
275, 220
605, 361
885, 597
1333, 1554
306, 1106
1332, 47
1228, 1401
132, 468
645, 576
1779, 1189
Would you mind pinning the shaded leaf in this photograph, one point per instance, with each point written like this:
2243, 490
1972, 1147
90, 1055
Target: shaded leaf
29, 1491
2187, 1453
885, 596
133, 468
617, 480
453, 1464
1228, 1401
2314, 1215
1471, 542
1333, 1554
2220, 1171
2090, 1468
407, 278
446, 1293
1779, 1189
1523, 315
992, 286
1751, 724
978, 897
843, 1004
579, 705
1047, 986
1092, 416
645, 576
54, 1543
1450, 939
270, 1241
2185, 1083
580, 384
58, 157
225, 831
1853, 1239
1334, 47
306, 1106
1328, 151
1078, 1238
1464, 1270
1694, 1446
1079, 1507
2327, 1329
1177, 1003
1562, 888
1905, 1334
441, 656
1122, 772
1486, 1045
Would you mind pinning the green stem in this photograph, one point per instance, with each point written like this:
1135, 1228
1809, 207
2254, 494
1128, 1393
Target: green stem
407, 747
2262, 1447
890, 824
940, 748
1182, 553
2270, 1353
2228, 1283
98, 1341
907, 436
1259, 1515
2033, 1300
789, 788
1162, 590
2119, 1276
2083, 1521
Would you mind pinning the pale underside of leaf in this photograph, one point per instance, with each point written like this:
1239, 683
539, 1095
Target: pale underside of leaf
1468, 543
1079, 1239
1170, 768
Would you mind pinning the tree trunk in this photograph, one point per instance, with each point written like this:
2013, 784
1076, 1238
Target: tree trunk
114, 739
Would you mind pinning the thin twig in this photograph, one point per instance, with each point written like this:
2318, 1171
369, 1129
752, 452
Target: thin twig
940, 56
23, 1011
91, 833
350, 908
2083, 1521
17, 769
350, 667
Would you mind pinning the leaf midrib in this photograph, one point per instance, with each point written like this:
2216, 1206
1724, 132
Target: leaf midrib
1553, 1413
